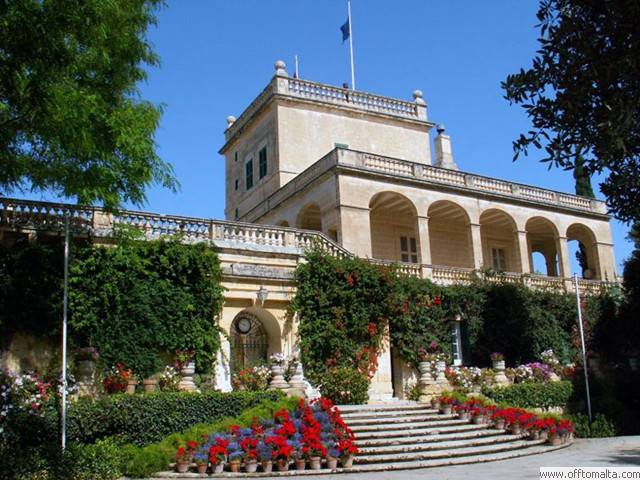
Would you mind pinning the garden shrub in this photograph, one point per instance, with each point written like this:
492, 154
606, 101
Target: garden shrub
148, 418
532, 395
343, 313
142, 462
601, 426
142, 299
100, 461
345, 386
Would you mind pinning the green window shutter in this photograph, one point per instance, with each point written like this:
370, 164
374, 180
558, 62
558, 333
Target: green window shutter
263, 162
248, 174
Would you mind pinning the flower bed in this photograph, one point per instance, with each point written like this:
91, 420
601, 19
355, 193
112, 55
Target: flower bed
314, 434
556, 430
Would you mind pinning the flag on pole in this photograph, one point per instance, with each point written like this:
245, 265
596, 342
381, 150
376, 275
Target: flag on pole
346, 31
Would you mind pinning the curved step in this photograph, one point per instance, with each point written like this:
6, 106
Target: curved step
433, 430
441, 437
441, 445
354, 422
390, 426
462, 451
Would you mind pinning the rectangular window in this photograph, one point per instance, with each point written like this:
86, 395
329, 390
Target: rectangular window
262, 162
408, 250
236, 214
456, 343
248, 174
237, 184
499, 259
235, 156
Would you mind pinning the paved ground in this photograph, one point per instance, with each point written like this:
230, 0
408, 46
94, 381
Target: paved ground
619, 451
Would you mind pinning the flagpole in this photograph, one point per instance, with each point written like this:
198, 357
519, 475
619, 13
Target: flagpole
353, 75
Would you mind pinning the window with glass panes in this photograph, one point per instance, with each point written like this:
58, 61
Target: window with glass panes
499, 259
262, 162
248, 174
408, 249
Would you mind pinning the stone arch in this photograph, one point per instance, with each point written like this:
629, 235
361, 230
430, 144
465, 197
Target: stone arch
499, 236
542, 237
588, 248
252, 346
310, 217
393, 221
450, 235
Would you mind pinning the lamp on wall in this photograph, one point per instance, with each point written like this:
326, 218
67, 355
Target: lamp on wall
262, 295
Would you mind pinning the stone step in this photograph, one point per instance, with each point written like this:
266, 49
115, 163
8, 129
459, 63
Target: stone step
437, 430
448, 453
438, 445
384, 407
443, 421
353, 422
379, 467
428, 439
392, 414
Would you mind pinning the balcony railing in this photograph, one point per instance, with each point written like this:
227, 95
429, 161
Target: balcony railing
26, 215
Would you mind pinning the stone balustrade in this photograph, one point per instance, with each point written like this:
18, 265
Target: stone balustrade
26, 215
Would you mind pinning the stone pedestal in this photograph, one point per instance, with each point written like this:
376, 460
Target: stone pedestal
86, 380
441, 379
186, 382
297, 385
277, 378
501, 378
426, 384
381, 386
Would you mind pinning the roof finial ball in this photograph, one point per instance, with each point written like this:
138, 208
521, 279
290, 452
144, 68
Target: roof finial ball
280, 67
417, 96
230, 120
440, 128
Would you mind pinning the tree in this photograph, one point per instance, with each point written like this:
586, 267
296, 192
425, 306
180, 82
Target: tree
71, 120
582, 94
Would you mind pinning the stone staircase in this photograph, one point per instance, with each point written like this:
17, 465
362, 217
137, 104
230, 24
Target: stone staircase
405, 435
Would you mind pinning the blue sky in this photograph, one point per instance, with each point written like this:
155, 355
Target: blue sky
217, 55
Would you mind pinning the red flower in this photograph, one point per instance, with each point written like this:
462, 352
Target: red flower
437, 300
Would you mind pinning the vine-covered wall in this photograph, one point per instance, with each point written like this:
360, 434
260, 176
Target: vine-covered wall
136, 302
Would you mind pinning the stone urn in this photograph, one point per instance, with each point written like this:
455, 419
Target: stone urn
85, 370
425, 383
150, 385
441, 379
277, 377
499, 367
186, 372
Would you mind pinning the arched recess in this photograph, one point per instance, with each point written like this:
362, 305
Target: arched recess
254, 334
393, 221
499, 236
310, 218
450, 235
542, 237
588, 264
282, 223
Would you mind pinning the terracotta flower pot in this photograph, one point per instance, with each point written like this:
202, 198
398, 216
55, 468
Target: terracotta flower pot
534, 434
499, 424
301, 464
446, 409
150, 385
131, 386
267, 466
282, 465
555, 439
516, 429
464, 415
234, 466
182, 467
477, 419
202, 468
251, 466
218, 467
315, 463
332, 463
347, 462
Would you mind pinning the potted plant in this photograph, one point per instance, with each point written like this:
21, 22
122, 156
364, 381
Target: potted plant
348, 450
265, 455
184, 456
446, 404
117, 379
249, 447
201, 459
282, 451
563, 431
169, 380
235, 460
218, 454
497, 359
333, 455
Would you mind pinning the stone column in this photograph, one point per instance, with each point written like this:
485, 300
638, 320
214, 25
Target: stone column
563, 257
476, 245
606, 261
223, 371
355, 230
381, 387
423, 236
523, 245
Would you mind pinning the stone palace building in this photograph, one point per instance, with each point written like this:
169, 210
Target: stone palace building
354, 172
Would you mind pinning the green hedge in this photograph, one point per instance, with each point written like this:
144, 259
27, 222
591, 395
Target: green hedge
532, 395
142, 462
144, 419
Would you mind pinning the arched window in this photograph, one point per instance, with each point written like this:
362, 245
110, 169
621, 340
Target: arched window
249, 342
